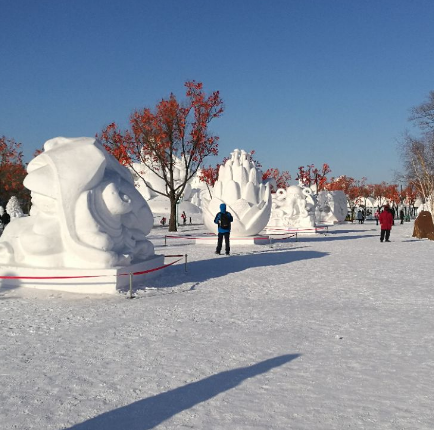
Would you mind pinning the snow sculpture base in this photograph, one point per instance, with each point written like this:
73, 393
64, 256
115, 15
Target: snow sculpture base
319, 229
105, 281
235, 241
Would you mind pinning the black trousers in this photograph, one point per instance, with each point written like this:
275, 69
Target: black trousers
384, 233
220, 242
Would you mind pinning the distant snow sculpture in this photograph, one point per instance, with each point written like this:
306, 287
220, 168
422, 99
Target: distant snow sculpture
240, 186
160, 204
13, 208
86, 212
293, 207
332, 207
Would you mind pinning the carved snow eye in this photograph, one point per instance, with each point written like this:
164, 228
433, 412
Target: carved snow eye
117, 202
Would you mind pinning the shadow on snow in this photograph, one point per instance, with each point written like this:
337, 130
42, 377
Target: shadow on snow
220, 265
146, 414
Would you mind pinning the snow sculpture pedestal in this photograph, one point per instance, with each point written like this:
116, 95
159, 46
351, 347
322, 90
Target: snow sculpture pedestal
84, 281
235, 241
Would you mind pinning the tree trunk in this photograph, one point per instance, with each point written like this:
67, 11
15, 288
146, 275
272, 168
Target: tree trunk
173, 221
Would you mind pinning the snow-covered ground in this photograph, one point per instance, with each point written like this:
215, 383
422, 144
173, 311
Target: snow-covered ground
331, 332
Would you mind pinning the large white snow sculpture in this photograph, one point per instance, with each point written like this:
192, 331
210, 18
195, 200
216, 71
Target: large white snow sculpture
332, 207
86, 212
240, 186
293, 207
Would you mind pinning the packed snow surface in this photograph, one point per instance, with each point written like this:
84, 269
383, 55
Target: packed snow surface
329, 332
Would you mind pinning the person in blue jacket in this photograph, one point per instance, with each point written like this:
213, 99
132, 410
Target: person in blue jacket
224, 220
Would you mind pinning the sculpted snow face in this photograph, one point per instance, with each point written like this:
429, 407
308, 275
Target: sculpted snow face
86, 212
240, 186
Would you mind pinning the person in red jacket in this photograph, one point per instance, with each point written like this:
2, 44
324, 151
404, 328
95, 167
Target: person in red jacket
386, 222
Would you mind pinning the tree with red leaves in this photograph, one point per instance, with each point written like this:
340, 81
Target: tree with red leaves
173, 130
311, 176
281, 179
393, 195
12, 172
363, 191
409, 195
380, 192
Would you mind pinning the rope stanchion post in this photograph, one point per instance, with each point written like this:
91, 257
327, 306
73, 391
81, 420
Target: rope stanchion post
296, 236
271, 241
131, 285
185, 264
165, 240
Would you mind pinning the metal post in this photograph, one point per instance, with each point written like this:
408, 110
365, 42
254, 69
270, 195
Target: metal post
131, 285
165, 240
185, 264
296, 236
271, 241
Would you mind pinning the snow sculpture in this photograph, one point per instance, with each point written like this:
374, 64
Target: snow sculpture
86, 212
13, 208
158, 203
240, 186
332, 207
293, 207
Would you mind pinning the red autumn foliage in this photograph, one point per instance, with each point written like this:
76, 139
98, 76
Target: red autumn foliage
12, 172
282, 179
310, 175
172, 129
409, 194
392, 194
380, 193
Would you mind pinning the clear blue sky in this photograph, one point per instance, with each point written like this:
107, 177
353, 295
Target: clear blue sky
303, 81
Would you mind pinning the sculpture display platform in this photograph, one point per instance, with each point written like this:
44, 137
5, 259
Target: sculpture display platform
93, 281
86, 215
235, 241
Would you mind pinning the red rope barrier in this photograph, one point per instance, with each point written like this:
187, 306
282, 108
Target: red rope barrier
214, 235
150, 270
94, 276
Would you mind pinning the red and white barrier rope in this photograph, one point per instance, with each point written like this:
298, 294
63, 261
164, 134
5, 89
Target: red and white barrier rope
97, 276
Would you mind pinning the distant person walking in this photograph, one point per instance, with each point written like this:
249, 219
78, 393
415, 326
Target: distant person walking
224, 220
377, 215
386, 222
401, 216
184, 218
360, 217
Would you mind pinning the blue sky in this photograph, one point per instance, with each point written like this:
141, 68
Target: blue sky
307, 81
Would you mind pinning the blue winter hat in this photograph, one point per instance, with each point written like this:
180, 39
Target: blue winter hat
223, 207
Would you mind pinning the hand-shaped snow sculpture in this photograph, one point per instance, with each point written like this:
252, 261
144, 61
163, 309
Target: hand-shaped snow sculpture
293, 207
86, 212
240, 186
